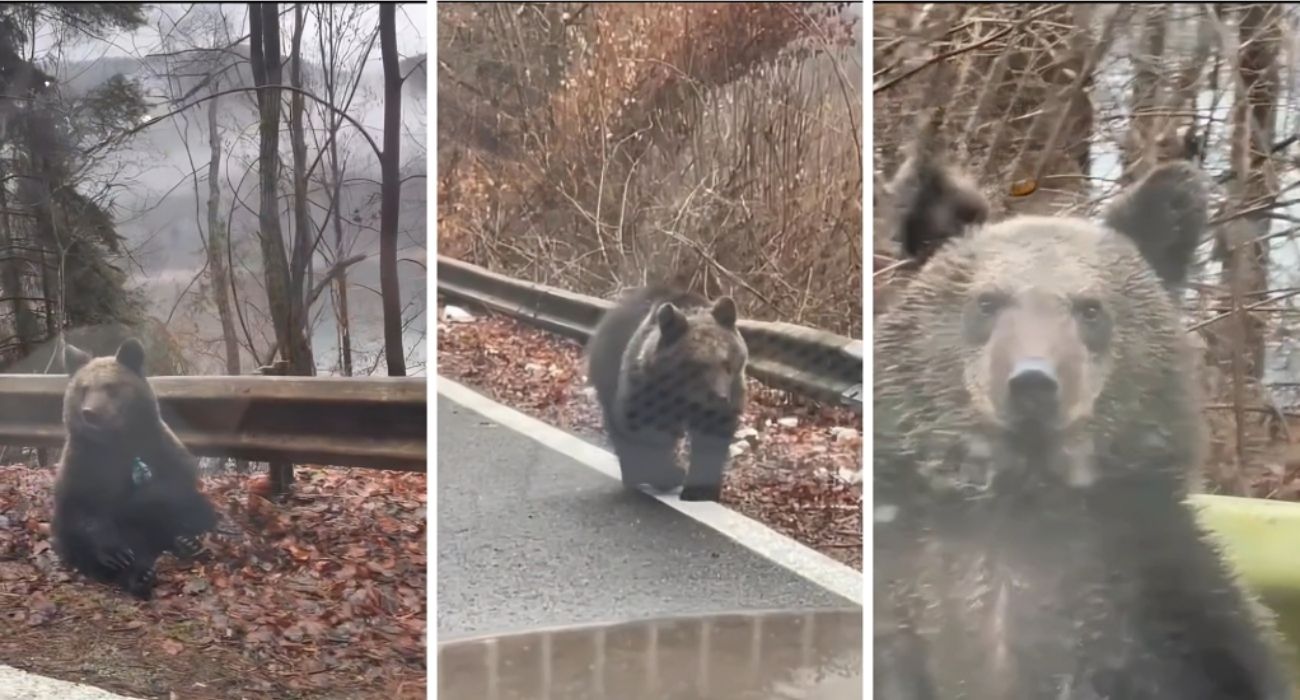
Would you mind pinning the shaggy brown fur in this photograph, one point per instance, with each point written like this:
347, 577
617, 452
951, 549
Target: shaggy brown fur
112, 516
664, 362
1037, 424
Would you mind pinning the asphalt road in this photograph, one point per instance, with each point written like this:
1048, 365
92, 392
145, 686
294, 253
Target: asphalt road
527, 537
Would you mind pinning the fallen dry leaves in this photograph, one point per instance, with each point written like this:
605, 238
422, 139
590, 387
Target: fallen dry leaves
322, 596
800, 473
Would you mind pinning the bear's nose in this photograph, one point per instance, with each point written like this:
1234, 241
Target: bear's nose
89, 415
1033, 386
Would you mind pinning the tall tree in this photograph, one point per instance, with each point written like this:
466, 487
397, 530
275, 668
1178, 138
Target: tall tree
286, 307
53, 238
300, 262
330, 38
264, 60
217, 240
391, 192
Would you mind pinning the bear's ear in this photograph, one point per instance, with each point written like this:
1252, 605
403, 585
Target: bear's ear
724, 312
74, 358
934, 205
672, 323
131, 354
1166, 216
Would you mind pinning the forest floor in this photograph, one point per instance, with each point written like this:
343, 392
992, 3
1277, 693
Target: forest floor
801, 474
323, 596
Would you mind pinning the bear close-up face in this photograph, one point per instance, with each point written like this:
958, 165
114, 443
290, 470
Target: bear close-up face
108, 398
1039, 312
704, 352
1038, 320
1046, 344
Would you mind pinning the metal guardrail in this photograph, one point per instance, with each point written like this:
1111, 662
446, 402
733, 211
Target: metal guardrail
807, 361
378, 423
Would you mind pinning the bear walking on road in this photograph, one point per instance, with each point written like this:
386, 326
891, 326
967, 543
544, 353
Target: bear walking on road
127, 489
1037, 430
664, 363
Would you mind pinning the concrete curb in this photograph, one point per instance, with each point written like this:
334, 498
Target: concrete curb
16, 684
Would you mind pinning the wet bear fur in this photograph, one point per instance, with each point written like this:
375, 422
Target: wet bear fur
111, 522
666, 363
1037, 430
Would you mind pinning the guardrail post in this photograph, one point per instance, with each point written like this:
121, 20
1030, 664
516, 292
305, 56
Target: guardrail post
280, 473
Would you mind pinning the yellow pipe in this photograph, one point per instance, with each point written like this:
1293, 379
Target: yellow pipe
1262, 540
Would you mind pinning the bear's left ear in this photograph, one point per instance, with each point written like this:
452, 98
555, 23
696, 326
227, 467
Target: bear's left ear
131, 354
724, 312
1166, 216
672, 323
934, 204
74, 358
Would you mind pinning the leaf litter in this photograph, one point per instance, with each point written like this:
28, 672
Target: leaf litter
319, 597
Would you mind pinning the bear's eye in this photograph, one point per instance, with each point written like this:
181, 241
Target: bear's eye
990, 303
1088, 309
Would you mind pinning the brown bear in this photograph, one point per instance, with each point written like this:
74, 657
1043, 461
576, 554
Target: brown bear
663, 363
1037, 425
127, 489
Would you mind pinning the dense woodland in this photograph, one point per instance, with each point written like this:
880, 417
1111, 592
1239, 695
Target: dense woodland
717, 145
1054, 107
152, 186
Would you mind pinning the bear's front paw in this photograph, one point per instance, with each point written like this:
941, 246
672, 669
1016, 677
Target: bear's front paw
141, 584
702, 492
186, 547
116, 558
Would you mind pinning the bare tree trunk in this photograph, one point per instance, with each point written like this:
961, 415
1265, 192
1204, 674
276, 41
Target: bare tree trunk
217, 243
285, 306
264, 60
1253, 133
49, 290
300, 262
26, 328
11, 281
53, 287
391, 193
1140, 149
341, 284
339, 289
1245, 249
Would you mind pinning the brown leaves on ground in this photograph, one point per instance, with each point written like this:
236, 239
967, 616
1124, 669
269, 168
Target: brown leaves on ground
800, 475
319, 597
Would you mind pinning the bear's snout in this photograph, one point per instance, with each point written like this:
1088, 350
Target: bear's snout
721, 386
1036, 366
1033, 387
100, 412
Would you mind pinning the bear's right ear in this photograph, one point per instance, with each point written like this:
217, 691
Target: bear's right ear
935, 205
74, 358
672, 323
131, 354
724, 312
1166, 216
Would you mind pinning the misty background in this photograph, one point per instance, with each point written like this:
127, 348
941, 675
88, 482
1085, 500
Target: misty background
155, 184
